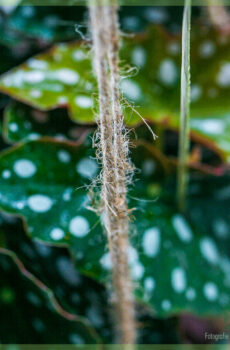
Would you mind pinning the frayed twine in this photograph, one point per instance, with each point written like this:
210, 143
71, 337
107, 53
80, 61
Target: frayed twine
113, 153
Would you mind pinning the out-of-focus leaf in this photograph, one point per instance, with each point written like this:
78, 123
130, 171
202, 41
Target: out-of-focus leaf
39, 323
47, 23
60, 78
63, 76
54, 267
47, 192
209, 203
172, 279
22, 122
48, 182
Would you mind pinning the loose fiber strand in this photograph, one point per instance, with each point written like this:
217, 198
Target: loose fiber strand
113, 147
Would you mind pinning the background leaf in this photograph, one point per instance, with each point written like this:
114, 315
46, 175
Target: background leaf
22, 122
167, 277
63, 77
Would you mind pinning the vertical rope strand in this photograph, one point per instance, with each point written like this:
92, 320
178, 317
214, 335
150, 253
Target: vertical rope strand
115, 163
185, 108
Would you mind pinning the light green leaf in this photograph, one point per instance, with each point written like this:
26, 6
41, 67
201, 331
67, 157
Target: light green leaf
60, 78
64, 77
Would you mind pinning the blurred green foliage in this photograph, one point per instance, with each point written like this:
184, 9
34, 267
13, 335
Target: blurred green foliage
179, 264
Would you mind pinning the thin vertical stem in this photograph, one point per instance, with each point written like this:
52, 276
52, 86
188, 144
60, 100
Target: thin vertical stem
113, 153
184, 141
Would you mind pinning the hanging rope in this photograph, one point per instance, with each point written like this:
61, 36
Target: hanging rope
116, 168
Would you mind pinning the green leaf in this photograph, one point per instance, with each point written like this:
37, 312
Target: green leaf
30, 314
173, 280
50, 193
54, 268
47, 192
57, 79
63, 77
212, 218
22, 123
46, 23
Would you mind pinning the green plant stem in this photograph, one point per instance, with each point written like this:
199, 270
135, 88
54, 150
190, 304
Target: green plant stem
184, 141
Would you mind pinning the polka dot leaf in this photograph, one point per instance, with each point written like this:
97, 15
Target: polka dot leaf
50, 193
22, 122
179, 268
63, 77
175, 267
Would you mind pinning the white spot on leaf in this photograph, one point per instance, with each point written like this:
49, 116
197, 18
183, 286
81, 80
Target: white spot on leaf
166, 305
139, 56
209, 250
87, 168
221, 228
67, 76
67, 194
209, 126
223, 77
6, 174
137, 270
84, 102
182, 228
196, 92
151, 241
35, 93
37, 64
207, 49
210, 291
131, 90
13, 127
39, 203
132, 255
64, 156
168, 73
79, 55
79, 226
57, 233
149, 284
24, 168
62, 100
190, 294
178, 280
106, 261
34, 77
156, 15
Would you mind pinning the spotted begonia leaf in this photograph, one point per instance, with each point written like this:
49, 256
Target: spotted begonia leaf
54, 267
184, 282
57, 79
203, 194
50, 188
64, 77
22, 122
46, 23
50, 194
28, 309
